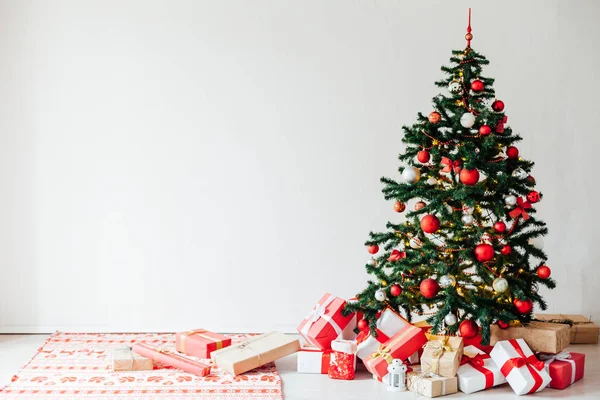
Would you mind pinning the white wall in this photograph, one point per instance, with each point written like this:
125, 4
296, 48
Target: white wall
168, 165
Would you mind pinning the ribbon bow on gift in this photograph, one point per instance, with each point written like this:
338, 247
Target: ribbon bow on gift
477, 360
319, 310
520, 209
532, 363
563, 356
439, 347
382, 352
451, 165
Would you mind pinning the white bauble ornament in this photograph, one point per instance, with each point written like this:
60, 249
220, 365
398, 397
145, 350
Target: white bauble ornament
519, 173
537, 242
449, 209
454, 87
467, 219
432, 181
411, 174
379, 295
371, 261
467, 120
415, 243
447, 280
510, 200
500, 285
450, 319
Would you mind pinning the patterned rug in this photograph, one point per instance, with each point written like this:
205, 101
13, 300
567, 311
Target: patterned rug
77, 365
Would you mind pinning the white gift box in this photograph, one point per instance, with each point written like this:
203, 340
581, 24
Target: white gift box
389, 323
472, 378
312, 360
527, 378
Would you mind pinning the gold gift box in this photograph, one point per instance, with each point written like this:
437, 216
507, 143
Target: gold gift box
583, 330
541, 337
441, 355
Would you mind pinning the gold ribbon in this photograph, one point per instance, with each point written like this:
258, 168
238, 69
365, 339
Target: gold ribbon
384, 350
439, 347
198, 332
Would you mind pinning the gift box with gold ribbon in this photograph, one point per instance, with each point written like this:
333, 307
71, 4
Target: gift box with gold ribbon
402, 345
200, 342
389, 322
441, 355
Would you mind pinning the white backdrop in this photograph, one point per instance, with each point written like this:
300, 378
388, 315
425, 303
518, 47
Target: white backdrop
170, 165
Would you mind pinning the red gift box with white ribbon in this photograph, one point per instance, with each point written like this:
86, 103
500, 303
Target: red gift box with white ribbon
325, 322
388, 324
564, 368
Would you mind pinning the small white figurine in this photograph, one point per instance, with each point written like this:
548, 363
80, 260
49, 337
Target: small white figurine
396, 377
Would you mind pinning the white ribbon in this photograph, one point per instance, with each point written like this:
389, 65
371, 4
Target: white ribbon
319, 311
564, 356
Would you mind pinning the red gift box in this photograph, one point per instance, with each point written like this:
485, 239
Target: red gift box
200, 342
402, 345
564, 368
325, 322
342, 365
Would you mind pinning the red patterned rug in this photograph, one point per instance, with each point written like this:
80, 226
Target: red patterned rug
77, 365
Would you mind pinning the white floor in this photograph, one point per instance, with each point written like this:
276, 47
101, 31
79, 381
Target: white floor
15, 350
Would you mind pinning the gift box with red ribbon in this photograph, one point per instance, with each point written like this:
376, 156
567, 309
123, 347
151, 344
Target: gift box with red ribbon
388, 324
200, 342
523, 371
325, 322
312, 360
476, 341
477, 371
404, 343
343, 360
564, 368
348, 332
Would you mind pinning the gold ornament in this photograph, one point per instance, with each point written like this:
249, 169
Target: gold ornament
383, 283
460, 73
460, 292
435, 142
460, 103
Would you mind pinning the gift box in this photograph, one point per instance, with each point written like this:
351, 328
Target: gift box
126, 360
477, 371
441, 355
173, 359
476, 341
388, 324
200, 342
254, 352
348, 332
583, 330
564, 368
430, 385
523, 371
343, 360
312, 360
541, 337
325, 322
404, 343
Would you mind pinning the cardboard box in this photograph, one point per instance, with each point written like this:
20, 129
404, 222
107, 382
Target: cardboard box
431, 386
583, 330
541, 337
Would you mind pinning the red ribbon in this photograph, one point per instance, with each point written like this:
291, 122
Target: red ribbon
450, 165
381, 337
477, 363
397, 255
531, 362
519, 210
325, 358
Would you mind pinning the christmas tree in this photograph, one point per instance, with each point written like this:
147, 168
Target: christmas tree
469, 251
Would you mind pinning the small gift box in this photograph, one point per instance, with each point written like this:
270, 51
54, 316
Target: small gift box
583, 330
325, 322
523, 371
564, 368
441, 355
173, 359
343, 360
125, 359
254, 352
431, 385
200, 342
477, 371
388, 324
541, 337
312, 360
404, 343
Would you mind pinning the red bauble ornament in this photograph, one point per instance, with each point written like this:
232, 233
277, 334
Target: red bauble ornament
533, 196
429, 288
498, 105
502, 325
523, 306
399, 206
531, 179
468, 328
544, 272
373, 248
423, 156
505, 250
484, 252
477, 86
434, 117
500, 227
485, 130
469, 177
395, 290
363, 325
430, 223
512, 152
419, 205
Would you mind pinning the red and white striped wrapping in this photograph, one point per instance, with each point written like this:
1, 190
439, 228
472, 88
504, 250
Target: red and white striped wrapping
523, 371
325, 322
388, 324
477, 371
312, 360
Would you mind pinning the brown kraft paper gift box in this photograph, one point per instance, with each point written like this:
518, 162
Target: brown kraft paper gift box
442, 355
583, 330
431, 386
541, 337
